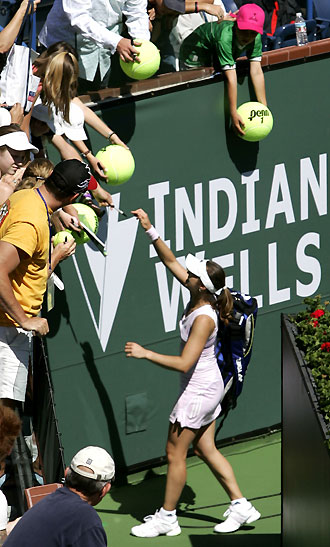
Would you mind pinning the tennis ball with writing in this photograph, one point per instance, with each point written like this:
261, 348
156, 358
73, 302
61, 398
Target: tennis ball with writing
149, 58
62, 237
118, 163
89, 218
257, 119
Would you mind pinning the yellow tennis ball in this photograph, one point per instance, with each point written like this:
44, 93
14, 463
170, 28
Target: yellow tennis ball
257, 119
118, 163
62, 237
149, 58
89, 218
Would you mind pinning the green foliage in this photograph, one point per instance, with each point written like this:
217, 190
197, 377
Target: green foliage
313, 339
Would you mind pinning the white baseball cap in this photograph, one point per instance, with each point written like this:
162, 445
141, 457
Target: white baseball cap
17, 141
98, 460
198, 267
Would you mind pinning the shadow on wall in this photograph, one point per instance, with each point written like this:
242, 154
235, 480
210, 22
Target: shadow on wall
60, 310
114, 438
121, 119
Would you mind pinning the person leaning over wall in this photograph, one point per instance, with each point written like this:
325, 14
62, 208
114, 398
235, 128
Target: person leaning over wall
94, 27
227, 41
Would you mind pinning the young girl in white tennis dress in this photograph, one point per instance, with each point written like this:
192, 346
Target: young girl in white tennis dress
192, 420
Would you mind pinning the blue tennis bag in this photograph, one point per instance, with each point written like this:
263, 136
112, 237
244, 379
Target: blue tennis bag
234, 347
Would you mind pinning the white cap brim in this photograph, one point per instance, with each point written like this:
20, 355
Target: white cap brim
17, 141
193, 265
198, 267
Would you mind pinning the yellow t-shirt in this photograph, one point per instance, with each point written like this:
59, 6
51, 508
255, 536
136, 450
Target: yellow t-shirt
24, 223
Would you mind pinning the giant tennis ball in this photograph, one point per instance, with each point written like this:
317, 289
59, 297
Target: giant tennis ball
118, 162
89, 218
62, 237
258, 121
149, 58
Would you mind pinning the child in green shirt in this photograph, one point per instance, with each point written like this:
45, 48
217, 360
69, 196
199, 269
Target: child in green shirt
226, 41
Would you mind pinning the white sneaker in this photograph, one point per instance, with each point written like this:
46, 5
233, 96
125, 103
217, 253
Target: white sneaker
155, 525
237, 515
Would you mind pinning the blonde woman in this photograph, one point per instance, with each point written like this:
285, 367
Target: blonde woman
35, 174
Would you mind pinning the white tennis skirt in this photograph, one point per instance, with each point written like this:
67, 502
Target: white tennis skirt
198, 403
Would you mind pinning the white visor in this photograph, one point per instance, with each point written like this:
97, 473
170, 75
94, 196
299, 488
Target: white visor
17, 141
198, 267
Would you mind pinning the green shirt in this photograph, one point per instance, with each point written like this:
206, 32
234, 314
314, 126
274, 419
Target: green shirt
219, 39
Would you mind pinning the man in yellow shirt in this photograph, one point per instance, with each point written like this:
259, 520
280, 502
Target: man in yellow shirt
24, 263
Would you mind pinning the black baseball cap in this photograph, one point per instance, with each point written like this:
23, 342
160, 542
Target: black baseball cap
72, 177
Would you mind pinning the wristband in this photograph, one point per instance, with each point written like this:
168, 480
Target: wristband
110, 134
152, 234
196, 7
85, 154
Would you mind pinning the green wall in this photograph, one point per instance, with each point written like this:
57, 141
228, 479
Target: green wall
258, 208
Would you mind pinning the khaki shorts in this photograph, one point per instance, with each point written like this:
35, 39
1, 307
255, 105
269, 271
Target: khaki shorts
15, 350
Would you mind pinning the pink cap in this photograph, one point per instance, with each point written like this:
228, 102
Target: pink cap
251, 17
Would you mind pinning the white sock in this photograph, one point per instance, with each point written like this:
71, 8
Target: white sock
239, 500
167, 514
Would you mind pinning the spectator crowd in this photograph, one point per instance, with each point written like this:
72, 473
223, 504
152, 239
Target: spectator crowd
78, 50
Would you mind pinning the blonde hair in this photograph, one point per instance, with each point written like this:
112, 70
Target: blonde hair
35, 174
60, 82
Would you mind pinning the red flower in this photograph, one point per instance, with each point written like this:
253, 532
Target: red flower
317, 314
325, 346
315, 323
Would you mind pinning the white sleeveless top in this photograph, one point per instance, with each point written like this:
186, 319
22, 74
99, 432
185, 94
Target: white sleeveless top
206, 368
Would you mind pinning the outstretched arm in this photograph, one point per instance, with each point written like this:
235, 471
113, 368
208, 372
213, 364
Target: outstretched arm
94, 121
258, 81
9, 34
80, 15
209, 8
201, 330
163, 251
231, 79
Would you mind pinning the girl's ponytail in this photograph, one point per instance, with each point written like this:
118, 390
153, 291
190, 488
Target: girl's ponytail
224, 305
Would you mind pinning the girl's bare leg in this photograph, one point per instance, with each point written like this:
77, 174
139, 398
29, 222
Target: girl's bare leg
205, 448
178, 442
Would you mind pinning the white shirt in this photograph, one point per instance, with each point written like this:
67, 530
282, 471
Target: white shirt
3, 511
93, 27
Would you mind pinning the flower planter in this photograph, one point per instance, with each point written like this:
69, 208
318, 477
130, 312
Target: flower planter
305, 452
